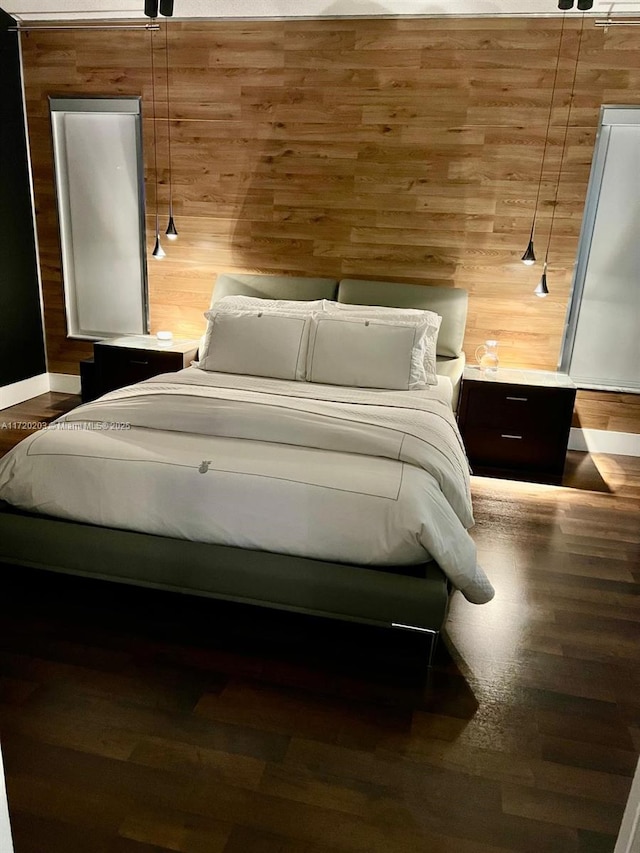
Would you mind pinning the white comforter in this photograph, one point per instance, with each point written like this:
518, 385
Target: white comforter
340, 474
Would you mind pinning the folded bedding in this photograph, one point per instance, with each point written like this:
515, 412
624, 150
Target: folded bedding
351, 475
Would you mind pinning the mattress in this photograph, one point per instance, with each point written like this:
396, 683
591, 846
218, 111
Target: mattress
364, 477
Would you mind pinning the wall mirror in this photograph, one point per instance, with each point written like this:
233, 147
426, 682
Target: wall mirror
99, 178
601, 347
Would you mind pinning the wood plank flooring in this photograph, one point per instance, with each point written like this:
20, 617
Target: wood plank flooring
137, 721
17, 422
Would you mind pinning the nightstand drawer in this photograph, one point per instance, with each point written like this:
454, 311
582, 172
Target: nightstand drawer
121, 361
137, 360
510, 449
118, 367
516, 407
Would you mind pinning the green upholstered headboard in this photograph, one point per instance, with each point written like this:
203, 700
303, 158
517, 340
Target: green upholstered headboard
274, 287
449, 302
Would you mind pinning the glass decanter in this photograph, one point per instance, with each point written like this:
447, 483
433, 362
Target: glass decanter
487, 357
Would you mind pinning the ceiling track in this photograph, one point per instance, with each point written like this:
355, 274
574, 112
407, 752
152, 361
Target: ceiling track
25, 28
617, 22
153, 25
23, 25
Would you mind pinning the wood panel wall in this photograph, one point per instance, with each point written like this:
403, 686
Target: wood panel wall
404, 150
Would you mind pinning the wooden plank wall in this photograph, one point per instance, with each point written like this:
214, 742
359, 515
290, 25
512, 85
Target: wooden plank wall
404, 150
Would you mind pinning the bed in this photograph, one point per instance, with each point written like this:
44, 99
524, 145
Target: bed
316, 492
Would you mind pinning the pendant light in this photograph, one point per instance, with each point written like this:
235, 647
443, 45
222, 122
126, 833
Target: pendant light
542, 289
171, 231
529, 256
158, 251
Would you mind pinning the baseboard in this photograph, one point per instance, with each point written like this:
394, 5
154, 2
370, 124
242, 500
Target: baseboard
605, 441
64, 383
18, 392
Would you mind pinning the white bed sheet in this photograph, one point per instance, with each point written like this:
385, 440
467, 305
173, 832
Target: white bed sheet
340, 474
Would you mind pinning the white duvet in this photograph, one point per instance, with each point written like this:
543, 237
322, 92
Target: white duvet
340, 474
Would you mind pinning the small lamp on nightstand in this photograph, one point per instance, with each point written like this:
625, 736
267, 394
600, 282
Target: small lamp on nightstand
164, 338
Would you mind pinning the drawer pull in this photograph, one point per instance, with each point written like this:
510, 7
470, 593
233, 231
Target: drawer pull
504, 435
137, 361
519, 399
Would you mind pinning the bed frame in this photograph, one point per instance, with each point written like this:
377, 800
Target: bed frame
412, 598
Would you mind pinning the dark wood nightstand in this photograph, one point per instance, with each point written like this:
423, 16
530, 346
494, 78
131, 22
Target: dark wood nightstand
515, 423
123, 361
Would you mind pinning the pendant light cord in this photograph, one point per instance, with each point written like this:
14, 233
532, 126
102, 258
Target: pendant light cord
166, 59
155, 143
564, 141
546, 138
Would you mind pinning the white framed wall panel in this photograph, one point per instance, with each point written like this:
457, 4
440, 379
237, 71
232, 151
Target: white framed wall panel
602, 342
99, 176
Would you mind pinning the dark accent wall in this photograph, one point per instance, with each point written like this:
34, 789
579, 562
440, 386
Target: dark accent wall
21, 334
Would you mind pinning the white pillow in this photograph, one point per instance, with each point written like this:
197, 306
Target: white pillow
366, 353
290, 307
236, 304
256, 344
405, 315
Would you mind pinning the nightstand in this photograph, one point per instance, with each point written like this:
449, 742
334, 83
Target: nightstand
123, 361
515, 423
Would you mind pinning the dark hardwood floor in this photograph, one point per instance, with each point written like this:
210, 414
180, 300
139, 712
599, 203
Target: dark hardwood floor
135, 720
20, 421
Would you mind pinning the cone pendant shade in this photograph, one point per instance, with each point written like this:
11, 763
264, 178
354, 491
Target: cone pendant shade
171, 231
529, 256
542, 290
158, 252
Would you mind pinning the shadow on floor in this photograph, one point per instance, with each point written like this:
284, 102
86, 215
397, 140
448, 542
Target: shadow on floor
66, 614
580, 472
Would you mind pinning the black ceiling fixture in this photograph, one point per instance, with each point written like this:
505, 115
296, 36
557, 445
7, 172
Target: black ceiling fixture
583, 5
151, 8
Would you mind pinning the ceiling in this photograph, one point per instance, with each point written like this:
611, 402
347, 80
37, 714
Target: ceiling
74, 10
